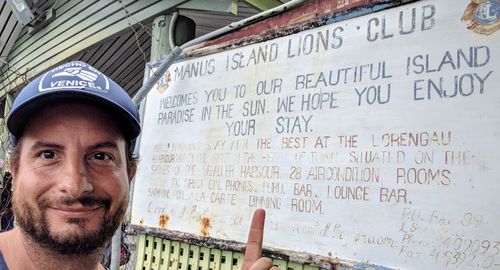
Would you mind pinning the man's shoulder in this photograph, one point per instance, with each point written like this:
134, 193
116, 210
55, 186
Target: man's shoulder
5, 238
3, 265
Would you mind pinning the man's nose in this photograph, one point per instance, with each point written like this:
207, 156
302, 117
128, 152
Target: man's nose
75, 180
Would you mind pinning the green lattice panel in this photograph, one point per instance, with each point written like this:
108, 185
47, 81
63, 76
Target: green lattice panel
145, 252
204, 258
175, 251
141, 246
226, 260
184, 257
280, 263
294, 266
156, 256
215, 256
194, 258
237, 261
165, 254
154, 253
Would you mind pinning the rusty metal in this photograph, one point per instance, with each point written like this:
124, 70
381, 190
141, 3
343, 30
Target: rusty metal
311, 15
163, 222
205, 224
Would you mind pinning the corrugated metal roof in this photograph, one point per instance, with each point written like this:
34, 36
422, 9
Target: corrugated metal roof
122, 60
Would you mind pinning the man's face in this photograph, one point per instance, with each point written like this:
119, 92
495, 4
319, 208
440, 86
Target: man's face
71, 187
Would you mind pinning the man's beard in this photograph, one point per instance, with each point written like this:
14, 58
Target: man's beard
35, 225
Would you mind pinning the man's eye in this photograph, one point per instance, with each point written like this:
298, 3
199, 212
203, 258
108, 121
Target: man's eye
48, 154
101, 156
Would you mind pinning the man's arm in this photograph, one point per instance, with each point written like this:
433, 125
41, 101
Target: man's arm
253, 250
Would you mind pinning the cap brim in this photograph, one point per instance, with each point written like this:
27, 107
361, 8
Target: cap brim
18, 119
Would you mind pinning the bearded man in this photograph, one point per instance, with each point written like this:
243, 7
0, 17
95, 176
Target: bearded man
72, 131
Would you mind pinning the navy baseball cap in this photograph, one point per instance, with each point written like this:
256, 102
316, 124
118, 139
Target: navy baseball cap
74, 82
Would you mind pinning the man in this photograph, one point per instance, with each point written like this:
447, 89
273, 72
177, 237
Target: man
71, 163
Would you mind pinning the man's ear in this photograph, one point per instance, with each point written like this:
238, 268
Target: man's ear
132, 169
13, 172
13, 175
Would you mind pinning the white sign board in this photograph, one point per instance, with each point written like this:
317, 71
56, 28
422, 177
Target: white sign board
373, 139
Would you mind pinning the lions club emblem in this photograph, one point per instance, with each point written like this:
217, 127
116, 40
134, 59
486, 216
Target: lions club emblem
164, 82
483, 16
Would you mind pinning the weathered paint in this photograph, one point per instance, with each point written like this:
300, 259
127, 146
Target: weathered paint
163, 222
205, 225
312, 14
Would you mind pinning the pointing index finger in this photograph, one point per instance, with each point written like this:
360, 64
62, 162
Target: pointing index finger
253, 250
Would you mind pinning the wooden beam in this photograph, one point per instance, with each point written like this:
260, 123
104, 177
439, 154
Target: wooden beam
263, 4
212, 5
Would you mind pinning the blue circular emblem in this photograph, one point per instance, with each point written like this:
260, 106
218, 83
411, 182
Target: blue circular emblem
487, 12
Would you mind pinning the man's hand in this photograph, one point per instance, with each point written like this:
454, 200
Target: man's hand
253, 250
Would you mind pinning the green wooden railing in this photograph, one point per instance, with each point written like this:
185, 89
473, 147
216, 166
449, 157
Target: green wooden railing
157, 253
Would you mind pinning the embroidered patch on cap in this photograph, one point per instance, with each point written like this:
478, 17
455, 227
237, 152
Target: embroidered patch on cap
74, 75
